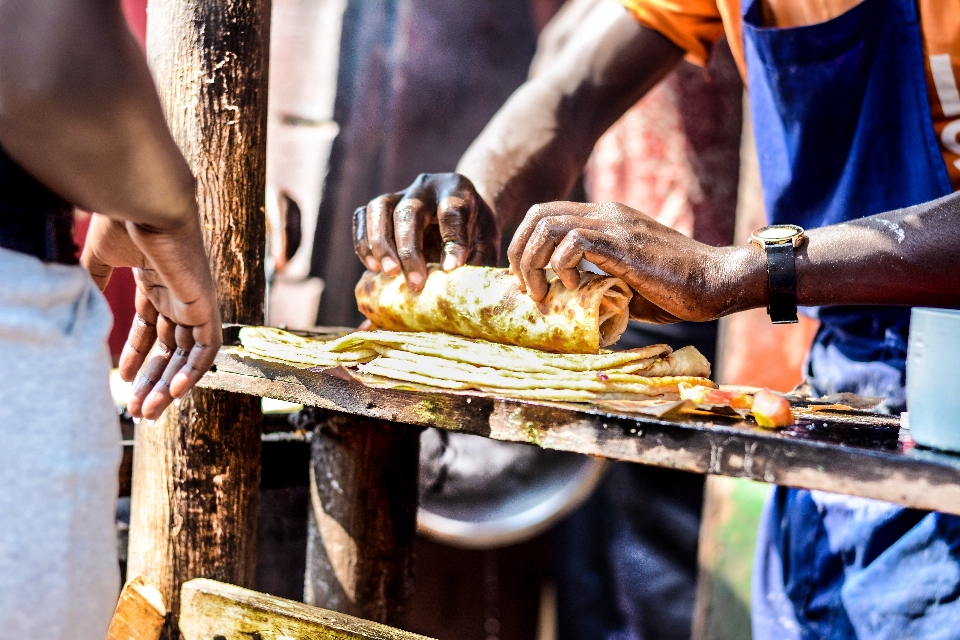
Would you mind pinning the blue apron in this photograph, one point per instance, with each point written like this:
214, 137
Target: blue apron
843, 131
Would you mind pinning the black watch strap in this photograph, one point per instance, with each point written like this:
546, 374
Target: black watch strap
782, 278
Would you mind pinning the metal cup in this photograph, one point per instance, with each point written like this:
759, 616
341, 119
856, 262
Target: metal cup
933, 378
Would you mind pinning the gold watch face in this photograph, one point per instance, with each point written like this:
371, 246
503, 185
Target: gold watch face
778, 234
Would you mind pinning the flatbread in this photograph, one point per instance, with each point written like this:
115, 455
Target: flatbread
270, 342
486, 303
439, 360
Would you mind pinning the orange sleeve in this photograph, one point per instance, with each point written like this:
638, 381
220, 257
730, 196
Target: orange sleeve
693, 25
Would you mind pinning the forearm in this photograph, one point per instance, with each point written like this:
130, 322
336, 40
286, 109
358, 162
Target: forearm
905, 257
79, 111
525, 155
535, 148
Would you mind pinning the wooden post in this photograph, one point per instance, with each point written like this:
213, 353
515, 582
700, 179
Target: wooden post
363, 516
197, 469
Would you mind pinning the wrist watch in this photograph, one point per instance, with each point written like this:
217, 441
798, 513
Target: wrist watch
780, 241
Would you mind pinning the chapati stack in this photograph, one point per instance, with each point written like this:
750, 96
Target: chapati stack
440, 360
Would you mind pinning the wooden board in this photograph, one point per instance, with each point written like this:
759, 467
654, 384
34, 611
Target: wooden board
210, 609
860, 455
140, 613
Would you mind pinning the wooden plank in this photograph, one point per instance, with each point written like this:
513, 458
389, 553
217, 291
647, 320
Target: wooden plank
196, 470
858, 456
140, 613
363, 516
211, 610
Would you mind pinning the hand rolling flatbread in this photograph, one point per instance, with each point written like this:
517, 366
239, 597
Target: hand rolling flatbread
439, 360
486, 303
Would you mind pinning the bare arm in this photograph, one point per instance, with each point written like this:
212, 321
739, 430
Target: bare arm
904, 257
532, 151
79, 111
535, 147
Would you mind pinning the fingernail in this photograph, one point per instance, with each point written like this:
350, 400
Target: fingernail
390, 266
177, 402
372, 264
450, 262
415, 280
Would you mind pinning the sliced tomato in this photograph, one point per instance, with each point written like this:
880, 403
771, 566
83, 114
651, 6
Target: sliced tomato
708, 395
771, 410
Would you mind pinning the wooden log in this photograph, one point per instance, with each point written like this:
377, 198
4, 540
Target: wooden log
196, 470
363, 516
140, 613
212, 609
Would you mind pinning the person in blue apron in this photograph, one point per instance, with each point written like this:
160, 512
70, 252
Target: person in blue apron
844, 132
848, 152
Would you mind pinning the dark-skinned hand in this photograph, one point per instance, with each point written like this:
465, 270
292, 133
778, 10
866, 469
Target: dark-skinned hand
176, 332
439, 218
673, 277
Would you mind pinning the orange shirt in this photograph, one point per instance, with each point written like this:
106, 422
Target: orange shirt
696, 25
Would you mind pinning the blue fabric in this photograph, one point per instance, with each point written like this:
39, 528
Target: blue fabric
843, 131
841, 115
861, 350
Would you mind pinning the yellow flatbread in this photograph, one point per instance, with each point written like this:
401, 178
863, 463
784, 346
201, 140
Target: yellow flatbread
271, 342
486, 303
444, 361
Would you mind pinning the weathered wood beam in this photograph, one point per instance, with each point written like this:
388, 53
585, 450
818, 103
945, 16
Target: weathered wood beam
212, 609
856, 455
196, 470
363, 516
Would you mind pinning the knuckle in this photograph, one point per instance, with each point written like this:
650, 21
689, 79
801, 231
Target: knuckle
526, 261
408, 253
405, 211
380, 247
451, 221
381, 201
453, 247
545, 227
536, 211
453, 206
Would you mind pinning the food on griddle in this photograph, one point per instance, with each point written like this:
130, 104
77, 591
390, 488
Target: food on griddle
439, 360
486, 303
769, 409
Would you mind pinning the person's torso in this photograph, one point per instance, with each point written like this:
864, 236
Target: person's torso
33, 220
940, 34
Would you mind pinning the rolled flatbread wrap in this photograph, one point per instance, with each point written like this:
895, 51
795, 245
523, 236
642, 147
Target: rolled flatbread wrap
486, 303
